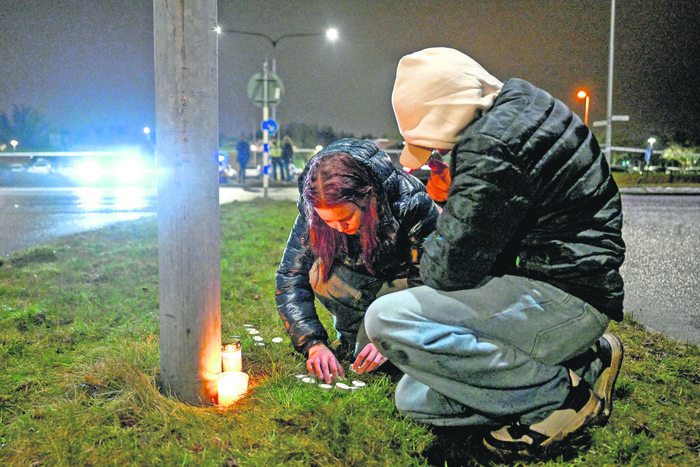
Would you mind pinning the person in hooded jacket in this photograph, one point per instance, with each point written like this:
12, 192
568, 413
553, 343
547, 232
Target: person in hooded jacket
287, 155
522, 272
358, 235
243, 150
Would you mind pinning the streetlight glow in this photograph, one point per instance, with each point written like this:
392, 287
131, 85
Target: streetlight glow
332, 34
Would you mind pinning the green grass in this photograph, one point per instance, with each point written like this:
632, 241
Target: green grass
80, 384
656, 179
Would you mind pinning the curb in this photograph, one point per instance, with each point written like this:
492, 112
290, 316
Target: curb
660, 190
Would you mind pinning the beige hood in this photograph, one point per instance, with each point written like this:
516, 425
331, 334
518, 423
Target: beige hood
438, 91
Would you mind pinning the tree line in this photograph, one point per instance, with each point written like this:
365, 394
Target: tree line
32, 130
26, 126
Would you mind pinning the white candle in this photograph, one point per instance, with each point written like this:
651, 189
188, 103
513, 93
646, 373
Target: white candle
231, 359
232, 386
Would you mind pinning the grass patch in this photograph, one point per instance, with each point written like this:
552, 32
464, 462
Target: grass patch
656, 179
79, 372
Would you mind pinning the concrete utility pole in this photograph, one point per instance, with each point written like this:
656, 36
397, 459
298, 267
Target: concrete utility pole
187, 144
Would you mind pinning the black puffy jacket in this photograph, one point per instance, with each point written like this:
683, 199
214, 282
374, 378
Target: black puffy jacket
414, 213
531, 195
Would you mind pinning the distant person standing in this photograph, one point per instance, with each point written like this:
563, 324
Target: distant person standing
276, 160
287, 155
243, 149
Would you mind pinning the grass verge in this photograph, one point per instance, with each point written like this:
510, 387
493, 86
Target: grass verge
79, 372
656, 179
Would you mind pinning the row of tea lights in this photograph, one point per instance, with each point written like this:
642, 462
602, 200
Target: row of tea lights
353, 386
233, 382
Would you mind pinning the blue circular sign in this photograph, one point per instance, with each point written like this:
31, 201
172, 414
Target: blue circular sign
270, 126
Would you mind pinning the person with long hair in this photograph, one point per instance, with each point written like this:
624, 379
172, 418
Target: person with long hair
358, 236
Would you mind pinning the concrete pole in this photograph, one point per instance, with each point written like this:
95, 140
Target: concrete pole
188, 197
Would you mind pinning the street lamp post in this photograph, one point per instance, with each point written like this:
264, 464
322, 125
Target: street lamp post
611, 57
331, 34
583, 94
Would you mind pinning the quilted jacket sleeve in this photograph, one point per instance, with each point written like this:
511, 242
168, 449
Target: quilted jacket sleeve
484, 210
294, 295
417, 214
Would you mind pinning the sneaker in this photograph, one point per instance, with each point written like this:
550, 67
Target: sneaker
610, 351
581, 408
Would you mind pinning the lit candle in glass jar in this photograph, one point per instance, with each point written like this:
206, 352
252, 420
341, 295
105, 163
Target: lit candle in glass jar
231, 355
232, 386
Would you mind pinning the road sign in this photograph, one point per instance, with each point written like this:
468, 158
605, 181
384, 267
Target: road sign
614, 118
270, 126
256, 89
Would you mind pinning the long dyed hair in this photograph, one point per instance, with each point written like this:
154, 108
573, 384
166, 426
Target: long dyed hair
334, 179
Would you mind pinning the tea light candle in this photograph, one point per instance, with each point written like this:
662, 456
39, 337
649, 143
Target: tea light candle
231, 359
232, 386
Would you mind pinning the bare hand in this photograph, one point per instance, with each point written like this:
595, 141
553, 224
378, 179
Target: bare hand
439, 183
322, 362
368, 360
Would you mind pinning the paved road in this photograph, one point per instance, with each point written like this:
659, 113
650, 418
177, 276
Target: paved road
662, 235
31, 216
229, 194
661, 269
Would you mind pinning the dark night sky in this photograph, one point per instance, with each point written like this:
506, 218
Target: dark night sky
90, 63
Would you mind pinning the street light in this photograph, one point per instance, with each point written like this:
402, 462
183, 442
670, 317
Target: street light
581, 95
14, 144
331, 34
611, 57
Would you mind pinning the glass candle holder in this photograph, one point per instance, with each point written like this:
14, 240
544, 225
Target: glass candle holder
231, 358
232, 386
